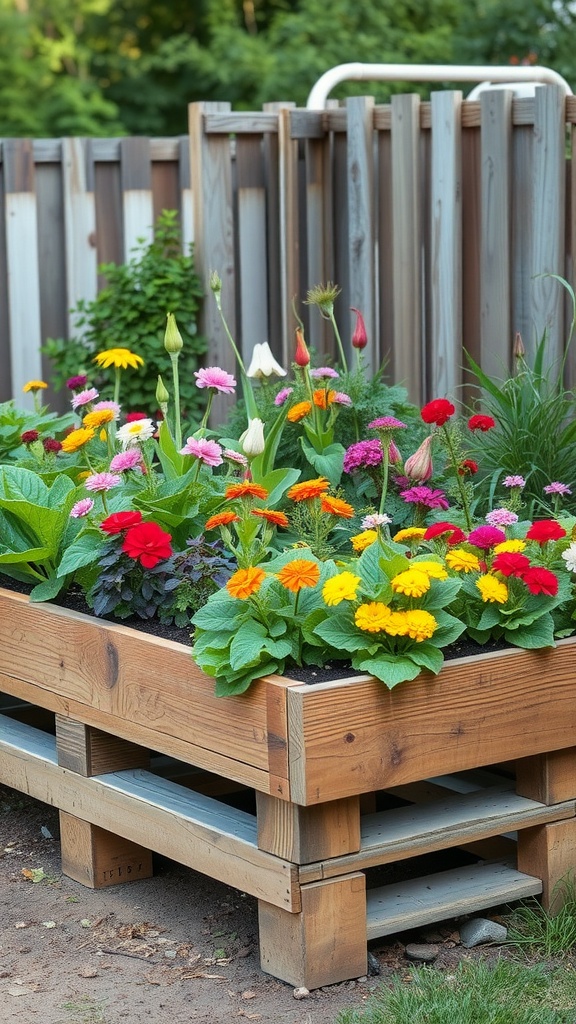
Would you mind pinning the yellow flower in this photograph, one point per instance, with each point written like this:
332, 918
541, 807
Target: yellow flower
397, 624
372, 617
420, 625
412, 582
361, 541
462, 561
83, 475
410, 533
492, 589
340, 588
34, 385
120, 358
432, 569
509, 545
98, 418
76, 439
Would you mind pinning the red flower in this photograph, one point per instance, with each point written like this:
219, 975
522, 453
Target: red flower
50, 444
29, 436
541, 581
481, 423
437, 411
131, 417
545, 529
302, 356
119, 521
510, 563
360, 337
456, 535
148, 543
467, 466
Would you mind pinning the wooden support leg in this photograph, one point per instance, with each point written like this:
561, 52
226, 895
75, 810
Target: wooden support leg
549, 853
325, 943
303, 835
90, 854
549, 778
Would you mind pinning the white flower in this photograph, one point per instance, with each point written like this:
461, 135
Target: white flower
569, 557
252, 440
263, 363
135, 432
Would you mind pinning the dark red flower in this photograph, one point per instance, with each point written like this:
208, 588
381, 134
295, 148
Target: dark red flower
455, 534
360, 337
29, 436
480, 422
119, 521
148, 543
77, 383
468, 466
511, 563
541, 581
131, 417
50, 444
438, 411
545, 529
302, 356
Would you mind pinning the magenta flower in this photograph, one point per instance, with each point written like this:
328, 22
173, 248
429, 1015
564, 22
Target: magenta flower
207, 451
81, 508
486, 537
282, 396
78, 382
130, 459
340, 398
102, 481
557, 488
84, 397
324, 371
386, 423
363, 454
514, 481
425, 496
501, 517
214, 377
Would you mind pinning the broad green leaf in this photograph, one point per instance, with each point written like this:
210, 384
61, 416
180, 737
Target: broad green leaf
427, 656
220, 613
390, 670
449, 629
84, 551
329, 464
342, 634
241, 682
538, 634
30, 555
247, 645
47, 590
490, 617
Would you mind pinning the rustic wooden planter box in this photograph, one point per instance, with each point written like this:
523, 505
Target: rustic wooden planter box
314, 755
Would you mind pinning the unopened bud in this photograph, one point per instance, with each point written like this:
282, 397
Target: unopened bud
172, 338
359, 337
162, 395
252, 440
519, 350
394, 455
302, 356
418, 467
215, 283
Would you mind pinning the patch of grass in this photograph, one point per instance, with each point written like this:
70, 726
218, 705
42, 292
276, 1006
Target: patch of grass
546, 933
475, 993
84, 1010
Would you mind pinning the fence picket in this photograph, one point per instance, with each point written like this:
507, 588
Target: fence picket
495, 283
80, 226
361, 216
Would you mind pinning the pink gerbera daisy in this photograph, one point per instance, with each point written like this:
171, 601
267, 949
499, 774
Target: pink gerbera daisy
209, 452
215, 377
84, 398
102, 481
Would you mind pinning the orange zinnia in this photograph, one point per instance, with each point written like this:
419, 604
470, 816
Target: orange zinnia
336, 507
323, 398
221, 519
245, 489
309, 489
298, 411
271, 516
245, 582
299, 574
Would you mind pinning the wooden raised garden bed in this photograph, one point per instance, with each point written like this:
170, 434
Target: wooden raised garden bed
143, 755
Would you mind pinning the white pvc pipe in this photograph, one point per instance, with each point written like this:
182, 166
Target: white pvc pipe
429, 73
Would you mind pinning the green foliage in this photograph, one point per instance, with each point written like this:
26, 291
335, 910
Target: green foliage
547, 933
130, 312
14, 422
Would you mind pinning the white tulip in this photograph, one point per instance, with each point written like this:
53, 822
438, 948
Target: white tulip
263, 363
252, 440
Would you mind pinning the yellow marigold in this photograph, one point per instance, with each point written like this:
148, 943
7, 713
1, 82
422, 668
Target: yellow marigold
76, 439
298, 411
397, 625
342, 587
309, 489
336, 507
299, 574
432, 569
323, 398
420, 625
98, 418
462, 561
245, 489
492, 589
120, 358
363, 540
34, 385
245, 582
411, 582
509, 545
409, 533
373, 617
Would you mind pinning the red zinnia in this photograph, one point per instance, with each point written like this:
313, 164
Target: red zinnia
132, 417
480, 422
541, 581
29, 436
510, 563
455, 534
467, 466
545, 529
50, 444
438, 411
119, 521
148, 543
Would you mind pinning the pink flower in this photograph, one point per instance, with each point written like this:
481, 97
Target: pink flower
130, 459
236, 457
374, 520
84, 397
386, 423
208, 452
81, 508
113, 406
360, 336
363, 454
214, 377
425, 496
486, 537
102, 481
419, 465
557, 488
323, 371
340, 398
501, 517
80, 381
283, 395
514, 481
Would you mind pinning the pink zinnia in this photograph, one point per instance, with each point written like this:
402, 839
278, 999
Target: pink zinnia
557, 488
501, 517
84, 397
214, 377
208, 452
81, 508
486, 537
340, 398
102, 481
236, 457
112, 406
514, 481
363, 454
130, 459
425, 496
283, 395
386, 423
324, 371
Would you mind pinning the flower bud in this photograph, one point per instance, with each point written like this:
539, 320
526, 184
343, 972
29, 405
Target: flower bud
162, 395
519, 350
215, 283
359, 337
418, 467
172, 338
394, 455
252, 440
263, 363
302, 356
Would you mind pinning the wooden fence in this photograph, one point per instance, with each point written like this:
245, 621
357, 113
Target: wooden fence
442, 221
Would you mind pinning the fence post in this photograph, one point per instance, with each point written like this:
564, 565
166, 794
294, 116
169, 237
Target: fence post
79, 225
496, 196
362, 218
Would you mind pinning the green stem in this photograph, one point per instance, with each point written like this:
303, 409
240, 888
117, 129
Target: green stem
385, 467
459, 480
339, 343
116, 395
204, 423
176, 383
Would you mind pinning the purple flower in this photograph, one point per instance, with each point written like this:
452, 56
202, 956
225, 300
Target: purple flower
386, 423
486, 537
84, 397
102, 481
130, 459
215, 377
74, 383
557, 488
425, 496
283, 395
363, 454
501, 517
209, 452
323, 371
340, 398
81, 508
514, 481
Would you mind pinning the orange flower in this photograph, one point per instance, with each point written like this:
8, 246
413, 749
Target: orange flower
245, 582
299, 574
221, 519
245, 489
323, 398
336, 507
309, 489
271, 516
298, 411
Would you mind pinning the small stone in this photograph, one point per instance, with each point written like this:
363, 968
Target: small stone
301, 993
87, 972
373, 964
424, 953
480, 930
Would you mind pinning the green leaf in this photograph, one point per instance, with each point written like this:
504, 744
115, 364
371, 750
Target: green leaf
449, 629
428, 657
342, 634
538, 634
241, 682
490, 617
47, 590
441, 594
329, 464
221, 612
30, 555
84, 551
390, 670
247, 646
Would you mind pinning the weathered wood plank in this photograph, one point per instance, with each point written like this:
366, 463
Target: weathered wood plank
137, 202
253, 263
362, 217
495, 281
304, 834
407, 245
80, 226
98, 858
550, 851
289, 231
